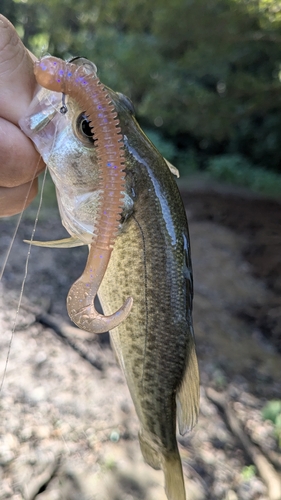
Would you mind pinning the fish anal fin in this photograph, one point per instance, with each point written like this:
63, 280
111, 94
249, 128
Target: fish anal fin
150, 454
187, 396
169, 462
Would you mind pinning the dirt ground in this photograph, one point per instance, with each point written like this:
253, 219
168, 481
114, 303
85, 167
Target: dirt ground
68, 430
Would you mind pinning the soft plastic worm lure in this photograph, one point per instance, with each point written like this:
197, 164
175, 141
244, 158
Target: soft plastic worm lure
82, 84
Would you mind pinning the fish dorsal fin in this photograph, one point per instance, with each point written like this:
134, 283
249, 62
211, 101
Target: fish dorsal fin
188, 394
65, 243
172, 168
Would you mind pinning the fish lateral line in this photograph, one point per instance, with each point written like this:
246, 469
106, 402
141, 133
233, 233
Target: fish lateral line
81, 84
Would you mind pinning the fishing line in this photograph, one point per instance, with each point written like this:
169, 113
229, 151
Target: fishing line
18, 222
26, 198
4, 267
23, 283
27, 259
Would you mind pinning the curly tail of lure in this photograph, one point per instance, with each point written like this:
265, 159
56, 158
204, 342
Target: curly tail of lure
82, 84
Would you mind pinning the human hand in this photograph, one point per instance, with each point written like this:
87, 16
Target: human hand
20, 163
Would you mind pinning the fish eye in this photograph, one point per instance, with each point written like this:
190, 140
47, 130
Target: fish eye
83, 129
126, 101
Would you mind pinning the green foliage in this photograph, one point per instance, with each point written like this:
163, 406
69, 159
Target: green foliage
235, 169
165, 147
185, 160
272, 411
206, 73
248, 472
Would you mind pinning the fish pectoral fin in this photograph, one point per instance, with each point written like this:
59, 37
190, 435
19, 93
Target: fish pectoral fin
65, 243
187, 396
172, 168
150, 455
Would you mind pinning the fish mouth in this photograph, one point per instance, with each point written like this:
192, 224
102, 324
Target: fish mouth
43, 121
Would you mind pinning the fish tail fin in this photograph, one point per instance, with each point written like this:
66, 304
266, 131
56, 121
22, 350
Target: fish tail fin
169, 463
174, 481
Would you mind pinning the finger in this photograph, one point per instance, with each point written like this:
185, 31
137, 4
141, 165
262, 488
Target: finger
19, 160
15, 200
17, 82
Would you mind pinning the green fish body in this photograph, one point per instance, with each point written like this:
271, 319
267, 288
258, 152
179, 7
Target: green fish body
150, 262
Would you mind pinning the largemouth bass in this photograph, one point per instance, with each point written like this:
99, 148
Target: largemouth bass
148, 267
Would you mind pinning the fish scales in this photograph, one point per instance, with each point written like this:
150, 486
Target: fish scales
153, 342
150, 262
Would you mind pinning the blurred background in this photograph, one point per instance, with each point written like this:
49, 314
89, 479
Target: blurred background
205, 79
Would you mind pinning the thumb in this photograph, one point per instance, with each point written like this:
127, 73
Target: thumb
17, 82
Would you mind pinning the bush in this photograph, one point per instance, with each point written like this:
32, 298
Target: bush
235, 169
164, 146
272, 411
185, 160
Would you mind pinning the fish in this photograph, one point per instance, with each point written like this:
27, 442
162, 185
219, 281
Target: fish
146, 284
